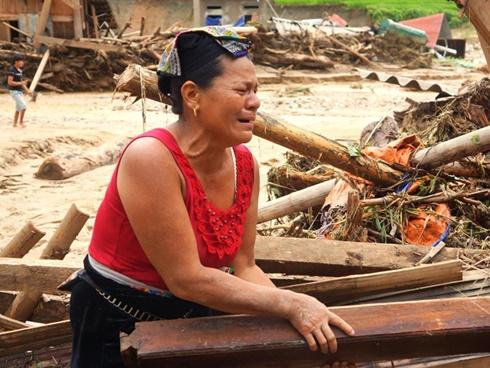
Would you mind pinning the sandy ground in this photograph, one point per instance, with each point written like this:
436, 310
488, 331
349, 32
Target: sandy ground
76, 123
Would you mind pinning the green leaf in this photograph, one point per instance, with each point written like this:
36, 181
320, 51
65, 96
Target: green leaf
354, 150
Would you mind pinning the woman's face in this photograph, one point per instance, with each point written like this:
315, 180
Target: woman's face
228, 107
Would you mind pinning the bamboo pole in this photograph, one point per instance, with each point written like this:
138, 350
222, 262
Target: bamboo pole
295, 202
22, 242
454, 149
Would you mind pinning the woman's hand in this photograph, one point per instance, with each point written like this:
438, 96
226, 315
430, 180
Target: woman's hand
312, 319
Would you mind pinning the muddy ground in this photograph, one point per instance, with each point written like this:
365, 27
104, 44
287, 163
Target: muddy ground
335, 105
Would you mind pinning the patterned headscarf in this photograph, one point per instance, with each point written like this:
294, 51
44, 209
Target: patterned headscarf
226, 37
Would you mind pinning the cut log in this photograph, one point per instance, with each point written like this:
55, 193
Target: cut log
79, 44
50, 87
22, 242
59, 168
26, 339
454, 149
274, 255
39, 71
297, 201
42, 21
7, 323
383, 331
350, 287
58, 246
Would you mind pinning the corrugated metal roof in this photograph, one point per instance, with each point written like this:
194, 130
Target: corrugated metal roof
435, 26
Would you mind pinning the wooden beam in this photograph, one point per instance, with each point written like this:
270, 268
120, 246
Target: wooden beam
79, 44
22, 340
8, 323
350, 287
42, 21
39, 71
42, 275
383, 332
95, 21
295, 256
22, 242
17, 30
77, 20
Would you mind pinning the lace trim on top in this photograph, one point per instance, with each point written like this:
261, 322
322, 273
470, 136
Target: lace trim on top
220, 230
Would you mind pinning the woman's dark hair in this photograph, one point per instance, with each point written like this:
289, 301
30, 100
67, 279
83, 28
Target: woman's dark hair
202, 76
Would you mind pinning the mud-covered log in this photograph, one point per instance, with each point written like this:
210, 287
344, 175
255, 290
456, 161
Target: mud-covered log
63, 167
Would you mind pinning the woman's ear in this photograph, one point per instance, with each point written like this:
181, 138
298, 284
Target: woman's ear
191, 94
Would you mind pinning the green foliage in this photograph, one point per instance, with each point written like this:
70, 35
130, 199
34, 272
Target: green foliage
393, 9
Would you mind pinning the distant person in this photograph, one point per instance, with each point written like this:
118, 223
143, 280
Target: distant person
17, 86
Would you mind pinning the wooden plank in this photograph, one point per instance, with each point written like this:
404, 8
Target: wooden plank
383, 332
22, 340
95, 21
295, 256
79, 44
8, 323
39, 71
75, 4
17, 29
349, 287
42, 275
42, 21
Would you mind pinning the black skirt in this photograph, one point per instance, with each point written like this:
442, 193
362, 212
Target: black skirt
100, 309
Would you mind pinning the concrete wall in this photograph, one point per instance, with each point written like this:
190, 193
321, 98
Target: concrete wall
157, 13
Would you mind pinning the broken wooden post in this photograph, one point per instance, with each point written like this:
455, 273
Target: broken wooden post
42, 21
142, 26
57, 247
71, 225
63, 167
455, 149
79, 44
383, 332
22, 242
77, 20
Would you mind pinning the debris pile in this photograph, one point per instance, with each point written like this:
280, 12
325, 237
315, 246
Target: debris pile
439, 199
319, 50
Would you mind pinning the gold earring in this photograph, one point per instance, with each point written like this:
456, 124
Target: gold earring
195, 109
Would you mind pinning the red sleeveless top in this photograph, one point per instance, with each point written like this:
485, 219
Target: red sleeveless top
218, 232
